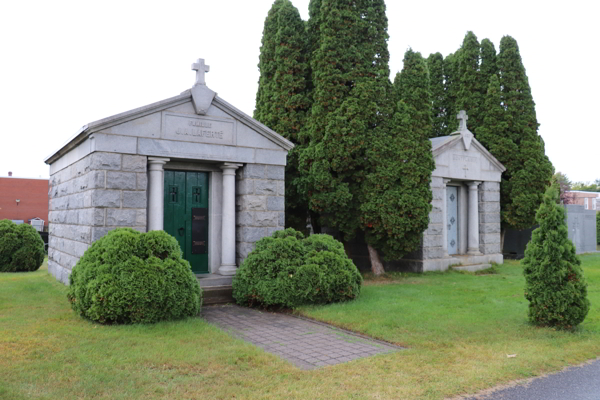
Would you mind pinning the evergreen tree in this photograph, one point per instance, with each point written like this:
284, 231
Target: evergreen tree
528, 172
451, 87
397, 193
435, 64
350, 75
555, 285
488, 66
282, 101
470, 94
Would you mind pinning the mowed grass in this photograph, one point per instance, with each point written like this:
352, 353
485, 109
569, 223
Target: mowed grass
458, 330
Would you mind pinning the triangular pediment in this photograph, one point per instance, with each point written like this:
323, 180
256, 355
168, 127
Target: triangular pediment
464, 158
177, 119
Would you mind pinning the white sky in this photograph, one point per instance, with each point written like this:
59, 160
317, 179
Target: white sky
68, 63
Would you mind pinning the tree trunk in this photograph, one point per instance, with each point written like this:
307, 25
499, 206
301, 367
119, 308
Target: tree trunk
376, 265
502, 234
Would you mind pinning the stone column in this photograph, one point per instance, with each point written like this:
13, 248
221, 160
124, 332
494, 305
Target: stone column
156, 199
228, 266
445, 219
463, 211
473, 244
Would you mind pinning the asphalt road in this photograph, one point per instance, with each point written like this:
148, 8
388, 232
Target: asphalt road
575, 383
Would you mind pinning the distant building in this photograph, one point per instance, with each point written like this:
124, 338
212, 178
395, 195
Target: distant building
589, 200
24, 199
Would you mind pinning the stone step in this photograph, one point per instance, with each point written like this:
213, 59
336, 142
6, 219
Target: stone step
217, 295
209, 280
472, 268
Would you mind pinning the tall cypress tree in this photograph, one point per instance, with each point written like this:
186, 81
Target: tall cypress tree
350, 77
435, 64
282, 97
451, 88
510, 133
488, 66
397, 194
471, 88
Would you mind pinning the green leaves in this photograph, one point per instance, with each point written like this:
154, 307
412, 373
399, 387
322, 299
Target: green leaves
555, 285
21, 247
286, 270
131, 277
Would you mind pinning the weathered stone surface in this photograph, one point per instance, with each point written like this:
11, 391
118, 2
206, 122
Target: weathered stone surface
438, 194
489, 207
254, 171
489, 196
253, 203
142, 181
491, 248
432, 241
101, 160
135, 199
121, 217
243, 249
489, 228
266, 219
281, 188
489, 217
74, 232
120, 180
271, 230
435, 218
276, 172
105, 198
281, 219
245, 186
91, 216
432, 252
141, 217
489, 238
134, 163
250, 234
490, 186
275, 203
244, 218
434, 229
436, 182
98, 232
265, 187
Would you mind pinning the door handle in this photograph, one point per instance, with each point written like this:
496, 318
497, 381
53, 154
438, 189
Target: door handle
181, 231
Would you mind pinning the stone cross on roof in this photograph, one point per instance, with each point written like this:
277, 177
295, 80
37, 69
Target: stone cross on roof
200, 69
462, 117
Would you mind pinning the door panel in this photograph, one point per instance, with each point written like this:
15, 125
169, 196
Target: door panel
452, 214
186, 215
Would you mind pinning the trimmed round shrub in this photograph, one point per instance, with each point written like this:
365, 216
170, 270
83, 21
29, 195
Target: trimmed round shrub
288, 270
21, 247
131, 277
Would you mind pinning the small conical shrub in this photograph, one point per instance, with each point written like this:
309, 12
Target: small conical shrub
555, 286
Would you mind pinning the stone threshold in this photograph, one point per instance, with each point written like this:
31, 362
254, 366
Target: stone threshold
216, 289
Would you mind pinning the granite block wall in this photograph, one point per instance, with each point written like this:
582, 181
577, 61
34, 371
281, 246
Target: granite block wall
433, 236
260, 205
100, 192
489, 218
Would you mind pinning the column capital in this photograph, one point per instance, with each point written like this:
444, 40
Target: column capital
157, 163
473, 184
229, 168
446, 181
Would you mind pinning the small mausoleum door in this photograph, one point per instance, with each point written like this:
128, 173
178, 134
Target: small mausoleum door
186, 215
452, 223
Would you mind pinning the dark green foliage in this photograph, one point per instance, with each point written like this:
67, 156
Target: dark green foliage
555, 285
528, 170
587, 186
435, 64
131, 277
397, 195
488, 66
282, 99
451, 88
350, 75
471, 87
21, 247
286, 270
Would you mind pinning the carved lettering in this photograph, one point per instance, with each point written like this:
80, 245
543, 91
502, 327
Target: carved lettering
459, 157
200, 124
199, 133
199, 217
192, 129
198, 243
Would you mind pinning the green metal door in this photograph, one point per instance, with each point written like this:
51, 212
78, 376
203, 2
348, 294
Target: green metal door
186, 215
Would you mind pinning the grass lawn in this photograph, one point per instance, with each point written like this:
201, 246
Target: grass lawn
458, 328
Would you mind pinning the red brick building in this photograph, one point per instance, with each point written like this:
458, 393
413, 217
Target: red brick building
23, 198
589, 200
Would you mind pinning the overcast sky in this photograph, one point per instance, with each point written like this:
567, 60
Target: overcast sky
68, 63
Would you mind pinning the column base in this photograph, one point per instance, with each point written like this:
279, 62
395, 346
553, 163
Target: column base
474, 252
228, 269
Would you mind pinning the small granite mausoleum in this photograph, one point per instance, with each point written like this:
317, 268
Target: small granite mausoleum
193, 165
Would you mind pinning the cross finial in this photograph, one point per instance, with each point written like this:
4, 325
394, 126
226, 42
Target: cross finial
462, 117
200, 69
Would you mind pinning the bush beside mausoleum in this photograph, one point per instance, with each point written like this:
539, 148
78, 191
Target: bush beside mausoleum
21, 247
132, 277
288, 270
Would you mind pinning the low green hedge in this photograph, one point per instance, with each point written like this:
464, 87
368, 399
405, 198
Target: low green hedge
288, 270
131, 277
21, 247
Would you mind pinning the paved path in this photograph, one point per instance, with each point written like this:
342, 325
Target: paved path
575, 383
306, 344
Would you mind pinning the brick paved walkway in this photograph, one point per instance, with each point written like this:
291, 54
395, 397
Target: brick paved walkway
304, 343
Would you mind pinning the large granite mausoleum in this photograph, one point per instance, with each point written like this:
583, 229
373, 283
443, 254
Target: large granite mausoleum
193, 165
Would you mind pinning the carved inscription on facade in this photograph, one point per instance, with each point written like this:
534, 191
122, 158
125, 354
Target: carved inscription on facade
463, 158
192, 129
